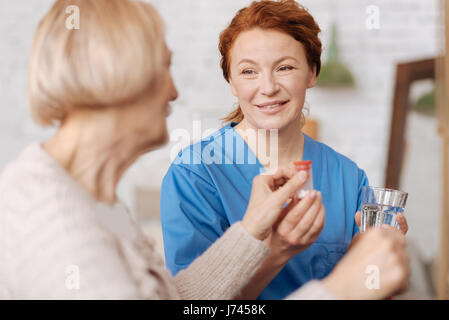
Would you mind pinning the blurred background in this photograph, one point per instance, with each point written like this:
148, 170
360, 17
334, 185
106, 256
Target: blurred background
351, 109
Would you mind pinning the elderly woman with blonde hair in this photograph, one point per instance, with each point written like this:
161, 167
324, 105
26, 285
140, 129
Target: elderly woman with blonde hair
63, 232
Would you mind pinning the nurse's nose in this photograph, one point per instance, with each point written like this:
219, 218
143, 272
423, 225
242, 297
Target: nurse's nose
269, 85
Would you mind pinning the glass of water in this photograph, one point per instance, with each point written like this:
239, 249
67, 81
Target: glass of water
380, 206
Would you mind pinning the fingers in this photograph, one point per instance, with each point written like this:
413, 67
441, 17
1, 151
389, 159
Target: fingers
265, 205
263, 181
318, 224
379, 247
302, 216
399, 259
290, 204
285, 172
281, 176
375, 236
305, 227
397, 238
277, 179
295, 214
358, 218
289, 188
267, 200
402, 222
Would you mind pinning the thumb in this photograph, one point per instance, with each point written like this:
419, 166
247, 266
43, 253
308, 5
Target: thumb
290, 187
358, 218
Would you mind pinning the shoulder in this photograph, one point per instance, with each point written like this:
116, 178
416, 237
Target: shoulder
330, 156
33, 164
335, 162
15, 167
35, 184
24, 175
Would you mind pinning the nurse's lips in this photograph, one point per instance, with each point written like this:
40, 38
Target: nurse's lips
272, 106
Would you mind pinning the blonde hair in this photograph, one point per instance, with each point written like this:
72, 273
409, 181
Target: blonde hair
115, 57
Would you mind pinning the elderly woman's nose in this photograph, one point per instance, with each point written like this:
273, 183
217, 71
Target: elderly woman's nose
269, 85
174, 94
173, 90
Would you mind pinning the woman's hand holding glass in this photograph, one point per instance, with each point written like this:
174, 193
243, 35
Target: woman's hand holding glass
376, 266
402, 221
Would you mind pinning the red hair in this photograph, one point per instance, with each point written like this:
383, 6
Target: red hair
286, 16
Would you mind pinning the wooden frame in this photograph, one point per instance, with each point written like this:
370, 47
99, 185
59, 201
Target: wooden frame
442, 102
406, 74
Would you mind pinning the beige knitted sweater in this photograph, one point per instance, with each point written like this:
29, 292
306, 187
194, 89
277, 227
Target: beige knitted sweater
58, 242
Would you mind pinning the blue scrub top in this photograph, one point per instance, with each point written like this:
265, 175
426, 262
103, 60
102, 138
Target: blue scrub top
207, 189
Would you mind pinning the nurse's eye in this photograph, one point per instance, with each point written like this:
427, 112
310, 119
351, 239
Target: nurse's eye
285, 68
248, 72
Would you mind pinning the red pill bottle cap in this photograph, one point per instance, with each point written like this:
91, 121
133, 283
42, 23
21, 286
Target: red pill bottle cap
304, 162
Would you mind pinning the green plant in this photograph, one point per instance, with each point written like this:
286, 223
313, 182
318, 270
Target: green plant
334, 73
425, 104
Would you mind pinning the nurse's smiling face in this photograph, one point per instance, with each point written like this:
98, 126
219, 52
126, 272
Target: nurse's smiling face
269, 75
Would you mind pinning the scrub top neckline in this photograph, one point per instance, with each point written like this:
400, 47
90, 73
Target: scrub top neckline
305, 151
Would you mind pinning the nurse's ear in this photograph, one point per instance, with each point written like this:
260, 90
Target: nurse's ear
312, 78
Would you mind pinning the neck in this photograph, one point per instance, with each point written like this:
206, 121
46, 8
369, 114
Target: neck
85, 149
282, 147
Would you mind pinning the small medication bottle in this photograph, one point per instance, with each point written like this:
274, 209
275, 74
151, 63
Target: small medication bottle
306, 166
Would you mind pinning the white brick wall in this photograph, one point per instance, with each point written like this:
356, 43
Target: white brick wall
355, 122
